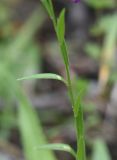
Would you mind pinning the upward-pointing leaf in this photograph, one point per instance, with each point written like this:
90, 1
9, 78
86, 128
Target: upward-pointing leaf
61, 26
58, 146
43, 76
31, 131
47, 6
100, 150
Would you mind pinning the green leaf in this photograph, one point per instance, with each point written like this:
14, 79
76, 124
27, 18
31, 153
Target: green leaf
100, 150
31, 131
93, 50
58, 146
61, 26
43, 76
49, 7
46, 4
101, 4
24, 36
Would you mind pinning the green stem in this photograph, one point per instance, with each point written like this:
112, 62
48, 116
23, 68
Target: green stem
67, 67
79, 118
81, 154
79, 123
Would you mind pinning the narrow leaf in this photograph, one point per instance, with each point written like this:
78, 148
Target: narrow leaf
43, 76
100, 150
31, 131
46, 4
61, 26
24, 36
58, 146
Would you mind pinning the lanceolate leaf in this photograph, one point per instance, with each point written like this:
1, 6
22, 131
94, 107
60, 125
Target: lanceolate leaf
47, 6
31, 131
43, 76
58, 146
100, 150
61, 26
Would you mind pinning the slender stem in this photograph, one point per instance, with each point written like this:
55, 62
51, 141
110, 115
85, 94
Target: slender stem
81, 154
67, 67
79, 118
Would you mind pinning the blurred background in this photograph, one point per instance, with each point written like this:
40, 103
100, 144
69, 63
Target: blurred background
28, 45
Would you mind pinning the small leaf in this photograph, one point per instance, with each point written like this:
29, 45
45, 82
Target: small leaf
61, 26
46, 4
43, 76
49, 7
103, 4
58, 146
29, 124
100, 150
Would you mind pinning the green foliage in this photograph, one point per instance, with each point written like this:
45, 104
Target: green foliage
102, 25
58, 146
4, 14
107, 52
93, 50
61, 26
60, 32
100, 150
44, 76
101, 4
31, 131
47, 5
7, 121
15, 58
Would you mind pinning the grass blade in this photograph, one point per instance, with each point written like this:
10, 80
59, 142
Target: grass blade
43, 76
100, 150
25, 35
58, 146
31, 131
46, 4
49, 7
61, 26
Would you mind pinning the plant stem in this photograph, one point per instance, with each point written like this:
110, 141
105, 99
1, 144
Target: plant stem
79, 117
81, 154
67, 68
79, 123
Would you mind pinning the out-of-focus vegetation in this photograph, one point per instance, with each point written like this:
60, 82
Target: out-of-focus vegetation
21, 55
18, 54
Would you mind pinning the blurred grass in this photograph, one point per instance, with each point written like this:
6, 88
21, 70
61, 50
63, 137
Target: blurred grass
15, 56
100, 150
18, 56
